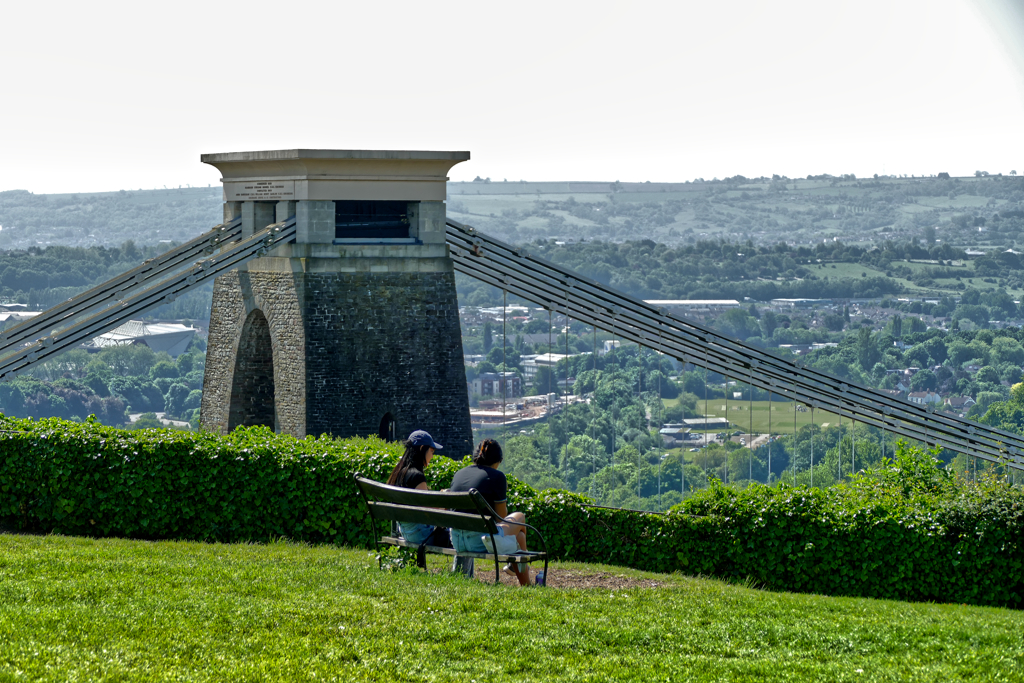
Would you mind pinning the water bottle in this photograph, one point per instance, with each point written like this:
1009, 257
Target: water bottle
539, 579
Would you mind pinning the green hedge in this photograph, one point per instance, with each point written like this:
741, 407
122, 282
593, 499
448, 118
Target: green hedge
250, 485
908, 531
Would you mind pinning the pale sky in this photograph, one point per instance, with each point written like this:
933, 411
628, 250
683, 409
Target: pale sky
124, 95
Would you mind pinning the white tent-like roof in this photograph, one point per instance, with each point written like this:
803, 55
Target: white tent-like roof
173, 338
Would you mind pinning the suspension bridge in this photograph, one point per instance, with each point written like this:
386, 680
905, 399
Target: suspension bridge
233, 247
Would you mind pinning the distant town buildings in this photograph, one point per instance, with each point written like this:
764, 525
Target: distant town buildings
924, 397
706, 422
493, 384
800, 303
693, 306
531, 363
959, 402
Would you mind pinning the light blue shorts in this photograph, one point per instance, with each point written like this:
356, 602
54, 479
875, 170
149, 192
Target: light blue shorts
470, 541
416, 533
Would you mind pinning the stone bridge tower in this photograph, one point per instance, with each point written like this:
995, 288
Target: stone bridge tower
353, 329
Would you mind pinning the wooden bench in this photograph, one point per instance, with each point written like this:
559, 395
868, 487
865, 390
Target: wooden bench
467, 511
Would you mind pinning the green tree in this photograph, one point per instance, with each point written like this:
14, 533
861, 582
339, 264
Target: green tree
524, 461
769, 321
134, 359
165, 369
1007, 350
834, 322
867, 349
738, 323
924, 380
896, 326
146, 421
936, 349
987, 374
71, 363
976, 313
544, 381
580, 457
174, 401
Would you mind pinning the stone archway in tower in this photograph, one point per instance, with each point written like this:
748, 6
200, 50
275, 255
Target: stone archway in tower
386, 431
252, 390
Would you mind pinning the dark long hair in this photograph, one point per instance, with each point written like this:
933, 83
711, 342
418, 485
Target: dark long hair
488, 453
415, 457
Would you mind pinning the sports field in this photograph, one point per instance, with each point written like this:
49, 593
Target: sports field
782, 415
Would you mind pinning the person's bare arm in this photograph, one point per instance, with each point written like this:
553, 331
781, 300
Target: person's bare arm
422, 486
501, 509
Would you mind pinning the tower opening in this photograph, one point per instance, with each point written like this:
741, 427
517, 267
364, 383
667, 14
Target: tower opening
386, 431
252, 393
371, 219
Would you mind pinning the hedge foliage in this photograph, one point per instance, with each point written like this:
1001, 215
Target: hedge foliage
907, 531
253, 484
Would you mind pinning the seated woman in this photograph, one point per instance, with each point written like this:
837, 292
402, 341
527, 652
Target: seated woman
484, 476
408, 473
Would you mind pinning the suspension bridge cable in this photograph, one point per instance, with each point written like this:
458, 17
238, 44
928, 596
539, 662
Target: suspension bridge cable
812, 444
566, 359
640, 402
614, 350
705, 415
551, 375
750, 436
538, 280
840, 471
793, 455
593, 415
768, 477
504, 366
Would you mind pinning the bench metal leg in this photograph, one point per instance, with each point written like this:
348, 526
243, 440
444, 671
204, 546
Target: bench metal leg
464, 565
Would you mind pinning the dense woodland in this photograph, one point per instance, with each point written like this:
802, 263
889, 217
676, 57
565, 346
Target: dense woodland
110, 384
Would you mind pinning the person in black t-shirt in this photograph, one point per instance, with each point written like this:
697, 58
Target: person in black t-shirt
484, 476
408, 473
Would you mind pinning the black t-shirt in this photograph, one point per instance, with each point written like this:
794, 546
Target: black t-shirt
412, 478
491, 483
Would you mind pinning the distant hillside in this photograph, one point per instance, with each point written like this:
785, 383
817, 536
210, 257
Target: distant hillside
798, 212
106, 218
982, 211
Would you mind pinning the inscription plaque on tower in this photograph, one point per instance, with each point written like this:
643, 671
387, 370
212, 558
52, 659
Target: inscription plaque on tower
353, 329
259, 190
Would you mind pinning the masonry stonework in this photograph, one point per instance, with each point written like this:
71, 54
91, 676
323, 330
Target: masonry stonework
347, 349
350, 330
233, 359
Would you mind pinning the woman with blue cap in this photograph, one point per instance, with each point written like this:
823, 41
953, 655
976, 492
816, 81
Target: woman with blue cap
419, 451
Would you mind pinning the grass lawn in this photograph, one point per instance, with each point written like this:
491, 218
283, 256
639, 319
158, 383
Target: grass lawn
843, 270
113, 610
781, 421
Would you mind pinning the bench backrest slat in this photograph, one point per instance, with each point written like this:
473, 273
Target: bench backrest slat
402, 496
421, 515
458, 510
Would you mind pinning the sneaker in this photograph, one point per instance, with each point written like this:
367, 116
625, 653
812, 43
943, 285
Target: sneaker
508, 569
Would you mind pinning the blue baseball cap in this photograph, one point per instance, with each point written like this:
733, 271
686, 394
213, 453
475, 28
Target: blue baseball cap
421, 438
